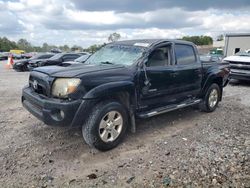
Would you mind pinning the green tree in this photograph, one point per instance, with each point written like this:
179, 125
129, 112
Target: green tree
114, 37
64, 48
220, 38
45, 47
7, 45
23, 44
199, 40
94, 48
76, 48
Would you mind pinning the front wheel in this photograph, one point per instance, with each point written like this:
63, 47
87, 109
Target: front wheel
106, 125
211, 99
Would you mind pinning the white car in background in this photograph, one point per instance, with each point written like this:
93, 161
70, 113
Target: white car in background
239, 65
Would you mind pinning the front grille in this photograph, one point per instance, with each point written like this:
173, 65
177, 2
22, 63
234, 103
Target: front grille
40, 83
239, 65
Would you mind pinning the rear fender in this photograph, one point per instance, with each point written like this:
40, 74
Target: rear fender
212, 78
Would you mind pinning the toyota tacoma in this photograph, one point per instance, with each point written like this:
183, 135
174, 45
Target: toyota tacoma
123, 81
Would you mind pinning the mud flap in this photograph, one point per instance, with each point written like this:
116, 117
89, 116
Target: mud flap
132, 121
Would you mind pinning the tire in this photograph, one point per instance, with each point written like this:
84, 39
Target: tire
104, 138
211, 99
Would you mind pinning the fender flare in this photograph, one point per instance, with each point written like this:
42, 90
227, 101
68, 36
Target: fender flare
110, 88
105, 90
211, 79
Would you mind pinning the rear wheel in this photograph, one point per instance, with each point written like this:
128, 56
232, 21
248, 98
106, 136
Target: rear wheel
211, 99
106, 125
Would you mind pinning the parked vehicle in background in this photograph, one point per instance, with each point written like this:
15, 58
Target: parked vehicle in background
216, 51
55, 50
239, 65
17, 52
57, 59
122, 81
78, 61
213, 58
4, 55
16, 56
22, 65
28, 55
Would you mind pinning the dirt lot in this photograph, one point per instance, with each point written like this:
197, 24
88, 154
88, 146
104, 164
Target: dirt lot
182, 148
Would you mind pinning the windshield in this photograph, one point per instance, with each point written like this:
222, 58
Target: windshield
57, 56
242, 54
116, 54
83, 58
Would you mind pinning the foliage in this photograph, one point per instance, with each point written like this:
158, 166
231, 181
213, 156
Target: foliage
22, 44
199, 40
6, 45
114, 37
220, 38
94, 48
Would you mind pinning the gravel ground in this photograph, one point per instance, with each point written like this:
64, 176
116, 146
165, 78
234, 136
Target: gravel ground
182, 148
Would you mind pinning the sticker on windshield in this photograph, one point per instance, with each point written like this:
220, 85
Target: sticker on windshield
142, 44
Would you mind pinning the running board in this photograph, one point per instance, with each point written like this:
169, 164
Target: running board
165, 109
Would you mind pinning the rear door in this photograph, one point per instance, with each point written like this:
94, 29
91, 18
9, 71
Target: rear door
188, 71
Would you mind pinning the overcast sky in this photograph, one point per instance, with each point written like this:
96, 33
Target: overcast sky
86, 22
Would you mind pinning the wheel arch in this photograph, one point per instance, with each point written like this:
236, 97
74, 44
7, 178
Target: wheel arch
121, 91
211, 80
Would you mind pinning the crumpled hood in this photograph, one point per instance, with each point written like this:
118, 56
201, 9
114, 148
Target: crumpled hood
77, 71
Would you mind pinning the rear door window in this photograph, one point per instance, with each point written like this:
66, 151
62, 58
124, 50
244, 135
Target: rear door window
70, 57
184, 54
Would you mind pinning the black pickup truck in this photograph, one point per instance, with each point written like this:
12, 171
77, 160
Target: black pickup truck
123, 81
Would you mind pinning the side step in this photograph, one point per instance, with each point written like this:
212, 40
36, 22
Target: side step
165, 109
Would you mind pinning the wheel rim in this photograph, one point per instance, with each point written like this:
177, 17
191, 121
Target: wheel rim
110, 126
213, 98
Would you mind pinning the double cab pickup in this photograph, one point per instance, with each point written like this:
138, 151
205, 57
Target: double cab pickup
123, 81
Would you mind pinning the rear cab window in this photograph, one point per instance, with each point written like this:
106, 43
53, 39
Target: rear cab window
185, 54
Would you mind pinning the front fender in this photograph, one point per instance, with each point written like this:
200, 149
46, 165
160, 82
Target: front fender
108, 89
92, 97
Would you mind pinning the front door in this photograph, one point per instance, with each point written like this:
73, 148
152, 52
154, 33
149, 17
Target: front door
157, 81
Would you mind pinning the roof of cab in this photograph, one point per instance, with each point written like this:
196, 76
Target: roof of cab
149, 42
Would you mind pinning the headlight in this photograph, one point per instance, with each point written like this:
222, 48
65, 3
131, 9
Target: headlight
64, 86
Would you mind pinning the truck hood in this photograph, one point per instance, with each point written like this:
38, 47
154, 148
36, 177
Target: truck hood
76, 71
235, 58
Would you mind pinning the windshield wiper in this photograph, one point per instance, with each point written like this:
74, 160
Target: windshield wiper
107, 62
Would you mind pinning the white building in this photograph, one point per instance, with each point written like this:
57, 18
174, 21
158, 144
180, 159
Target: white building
236, 42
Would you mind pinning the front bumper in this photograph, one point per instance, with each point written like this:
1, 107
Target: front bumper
53, 112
